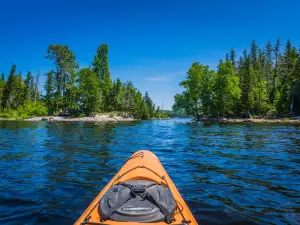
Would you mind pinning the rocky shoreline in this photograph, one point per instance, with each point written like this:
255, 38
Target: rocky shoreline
98, 118
294, 120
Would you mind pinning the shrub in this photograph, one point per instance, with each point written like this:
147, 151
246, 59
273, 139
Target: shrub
29, 109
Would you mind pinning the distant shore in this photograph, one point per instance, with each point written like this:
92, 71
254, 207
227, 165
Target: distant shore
294, 120
98, 118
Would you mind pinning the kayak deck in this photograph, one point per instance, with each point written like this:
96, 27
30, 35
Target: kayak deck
142, 165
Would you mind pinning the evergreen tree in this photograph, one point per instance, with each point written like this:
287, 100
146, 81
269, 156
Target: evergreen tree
2, 89
150, 105
245, 55
113, 97
29, 88
50, 92
145, 111
274, 89
260, 95
269, 67
226, 88
119, 95
36, 89
9, 92
129, 90
89, 94
157, 111
247, 86
19, 90
254, 52
232, 57
295, 90
139, 107
101, 67
65, 77
286, 62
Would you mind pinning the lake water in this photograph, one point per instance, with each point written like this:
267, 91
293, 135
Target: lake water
231, 174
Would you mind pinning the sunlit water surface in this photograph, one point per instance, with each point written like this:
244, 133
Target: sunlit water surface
231, 174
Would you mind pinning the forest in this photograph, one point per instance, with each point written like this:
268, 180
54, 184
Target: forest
261, 82
73, 91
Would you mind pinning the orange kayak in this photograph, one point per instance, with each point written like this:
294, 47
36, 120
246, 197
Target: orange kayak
141, 193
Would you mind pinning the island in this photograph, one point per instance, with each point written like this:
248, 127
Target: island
73, 93
263, 85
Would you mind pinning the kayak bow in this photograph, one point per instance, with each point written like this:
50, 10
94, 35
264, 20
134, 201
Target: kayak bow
141, 193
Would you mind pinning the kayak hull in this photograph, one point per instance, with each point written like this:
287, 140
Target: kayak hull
142, 165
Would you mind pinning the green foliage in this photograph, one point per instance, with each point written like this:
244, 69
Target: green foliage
226, 89
295, 91
65, 78
29, 109
149, 105
50, 92
197, 99
72, 92
89, 91
178, 113
259, 83
17, 95
29, 92
232, 57
101, 68
161, 114
2, 89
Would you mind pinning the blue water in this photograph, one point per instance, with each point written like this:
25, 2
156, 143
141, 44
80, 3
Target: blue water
231, 174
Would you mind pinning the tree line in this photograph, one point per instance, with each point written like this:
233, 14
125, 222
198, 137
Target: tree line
263, 82
70, 90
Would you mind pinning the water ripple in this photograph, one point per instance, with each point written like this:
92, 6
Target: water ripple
228, 174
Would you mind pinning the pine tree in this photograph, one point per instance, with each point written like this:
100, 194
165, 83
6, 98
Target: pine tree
65, 77
232, 57
260, 96
226, 88
119, 95
36, 89
139, 110
269, 67
2, 89
50, 92
295, 90
101, 67
28, 88
274, 89
149, 104
89, 94
19, 89
287, 62
129, 90
9, 92
247, 86
254, 52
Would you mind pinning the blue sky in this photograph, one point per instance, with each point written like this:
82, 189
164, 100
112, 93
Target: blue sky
151, 43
